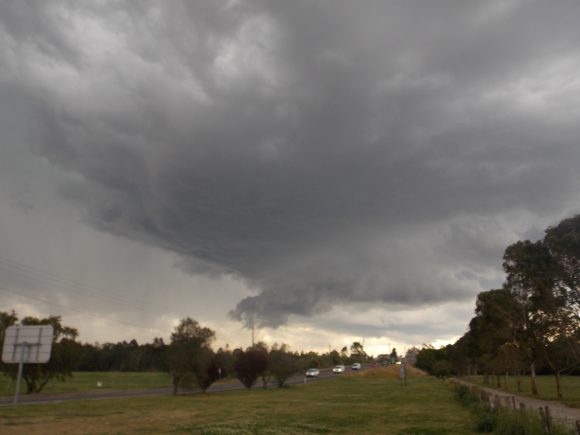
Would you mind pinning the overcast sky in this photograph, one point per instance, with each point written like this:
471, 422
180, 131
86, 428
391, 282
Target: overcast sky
329, 170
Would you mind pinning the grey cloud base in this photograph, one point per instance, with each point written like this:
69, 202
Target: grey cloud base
324, 153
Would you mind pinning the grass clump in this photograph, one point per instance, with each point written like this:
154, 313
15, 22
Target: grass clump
466, 397
503, 421
485, 419
249, 429
526, 423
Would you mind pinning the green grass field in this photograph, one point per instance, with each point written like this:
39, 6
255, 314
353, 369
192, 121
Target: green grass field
369, 402
87, 381
546, 388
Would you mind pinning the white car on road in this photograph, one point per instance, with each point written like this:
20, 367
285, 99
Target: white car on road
312, 373
356, 366
338, 369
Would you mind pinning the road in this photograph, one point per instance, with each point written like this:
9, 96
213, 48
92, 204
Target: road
116, 394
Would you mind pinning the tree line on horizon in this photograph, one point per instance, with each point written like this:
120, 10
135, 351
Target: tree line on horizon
188, 357
531, 324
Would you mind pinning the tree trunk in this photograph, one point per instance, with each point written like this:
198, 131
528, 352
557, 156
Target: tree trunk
175, 382
559, 386
533, 379
506, 379
30, 386
42, 385
30, 383
519, 381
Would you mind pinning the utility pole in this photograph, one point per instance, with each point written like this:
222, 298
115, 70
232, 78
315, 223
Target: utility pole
403, 372
252, 334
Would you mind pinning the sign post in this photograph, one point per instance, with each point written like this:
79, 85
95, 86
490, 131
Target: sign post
403, 372
27, 344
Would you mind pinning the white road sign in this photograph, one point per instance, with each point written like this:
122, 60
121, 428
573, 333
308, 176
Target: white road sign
28, 344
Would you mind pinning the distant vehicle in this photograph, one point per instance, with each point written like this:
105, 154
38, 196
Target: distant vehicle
338, 369
312, 373
356, 366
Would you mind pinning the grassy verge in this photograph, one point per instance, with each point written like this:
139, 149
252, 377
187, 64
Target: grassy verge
87, 381
369, 402
546, 388
505, 421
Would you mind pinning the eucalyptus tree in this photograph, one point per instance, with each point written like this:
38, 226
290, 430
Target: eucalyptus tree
531, 278
563, 242
394, 356
494, 328
357, 351
465, 355
7, 319
562, 350
544, 277
66, 353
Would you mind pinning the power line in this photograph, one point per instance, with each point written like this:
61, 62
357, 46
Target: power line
40, 275
44, 301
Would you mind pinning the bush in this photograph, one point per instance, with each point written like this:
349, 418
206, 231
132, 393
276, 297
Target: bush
283, 365
206, 375
441, 369
486, 422
465, 396
249, 365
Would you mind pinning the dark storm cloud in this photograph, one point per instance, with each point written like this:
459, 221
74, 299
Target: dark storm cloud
325, 152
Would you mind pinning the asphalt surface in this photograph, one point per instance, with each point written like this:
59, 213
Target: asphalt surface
32, 399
